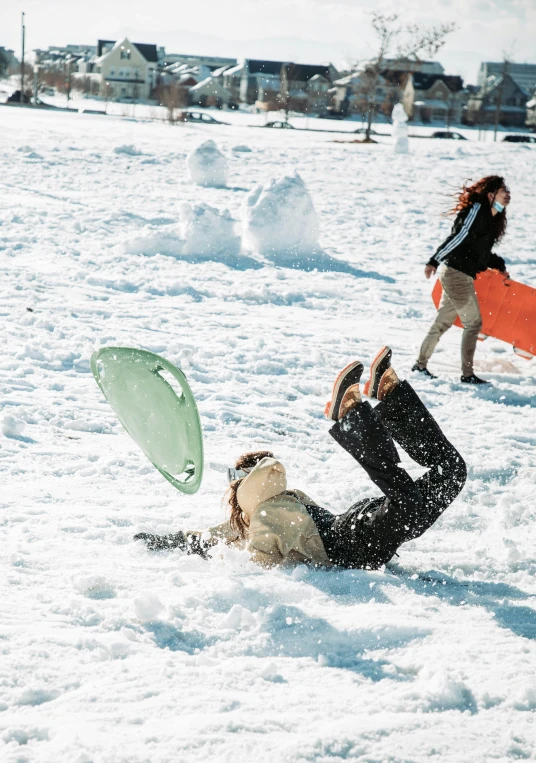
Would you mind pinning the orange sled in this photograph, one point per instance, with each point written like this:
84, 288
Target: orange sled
508, 311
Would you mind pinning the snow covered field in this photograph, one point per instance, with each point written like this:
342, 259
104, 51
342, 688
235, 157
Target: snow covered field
109, 654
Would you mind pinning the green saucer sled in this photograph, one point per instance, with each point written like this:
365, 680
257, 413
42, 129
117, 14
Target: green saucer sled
155, 404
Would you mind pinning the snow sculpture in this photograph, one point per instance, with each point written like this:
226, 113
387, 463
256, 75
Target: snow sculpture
207, 231
202, 232
400, 129
280, 216
207, 165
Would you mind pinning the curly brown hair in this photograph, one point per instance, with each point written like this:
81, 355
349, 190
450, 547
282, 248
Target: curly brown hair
478, 192
238, 519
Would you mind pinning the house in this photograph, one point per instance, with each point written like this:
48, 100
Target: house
232, 81
256, 74
523, 74
502, 93
362, 89
506, 86
319, 99
124, 69
209, 92
366, 88
434, 97
260, 79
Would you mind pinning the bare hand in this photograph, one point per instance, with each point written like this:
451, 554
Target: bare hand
430, 270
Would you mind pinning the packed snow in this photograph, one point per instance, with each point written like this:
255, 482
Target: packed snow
280, 217
112, 654
202, 232
400, 130
208, 165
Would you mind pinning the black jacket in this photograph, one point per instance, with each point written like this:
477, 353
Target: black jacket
468, 248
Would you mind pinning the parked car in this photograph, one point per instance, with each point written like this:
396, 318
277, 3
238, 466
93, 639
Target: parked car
363, 130
330, 114
279, 125
446, 134
519, 138
16, 97
200, 117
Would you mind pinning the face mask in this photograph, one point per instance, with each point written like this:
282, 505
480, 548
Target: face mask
236, 474
498, 206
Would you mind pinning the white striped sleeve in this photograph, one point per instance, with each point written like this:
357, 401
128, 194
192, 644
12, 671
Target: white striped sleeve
459, 237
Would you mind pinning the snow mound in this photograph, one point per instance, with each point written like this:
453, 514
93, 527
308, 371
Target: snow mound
242, 149
167, 242
280, 216
129, 149
203, 231
12, 426
207, 165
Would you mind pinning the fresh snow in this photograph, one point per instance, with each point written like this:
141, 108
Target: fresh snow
111, 654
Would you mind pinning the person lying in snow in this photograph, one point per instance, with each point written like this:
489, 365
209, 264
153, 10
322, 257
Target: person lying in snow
279, 526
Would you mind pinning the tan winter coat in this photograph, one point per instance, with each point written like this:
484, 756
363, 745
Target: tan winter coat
281, 531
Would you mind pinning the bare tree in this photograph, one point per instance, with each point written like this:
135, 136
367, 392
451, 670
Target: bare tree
288, 75
173, 96
398, 43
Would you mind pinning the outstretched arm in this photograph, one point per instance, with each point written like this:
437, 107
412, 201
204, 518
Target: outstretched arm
192, 541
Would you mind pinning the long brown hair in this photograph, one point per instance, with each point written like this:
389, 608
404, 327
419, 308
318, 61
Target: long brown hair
478, 192
238, 519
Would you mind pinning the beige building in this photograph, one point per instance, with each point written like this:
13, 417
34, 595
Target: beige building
125, 70
434, 98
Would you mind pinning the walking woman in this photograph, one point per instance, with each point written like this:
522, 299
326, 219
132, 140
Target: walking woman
280, 526
480, 224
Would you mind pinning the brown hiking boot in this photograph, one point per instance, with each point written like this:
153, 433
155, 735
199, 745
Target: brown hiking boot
380, 364
388, 383
345, 392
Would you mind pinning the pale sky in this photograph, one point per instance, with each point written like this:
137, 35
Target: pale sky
311, 31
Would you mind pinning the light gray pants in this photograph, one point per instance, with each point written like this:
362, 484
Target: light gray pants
459, 298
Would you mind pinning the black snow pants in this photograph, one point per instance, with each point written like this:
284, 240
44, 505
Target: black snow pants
369, 533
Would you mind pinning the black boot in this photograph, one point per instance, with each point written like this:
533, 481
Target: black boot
472, 379
424, 371
163, 542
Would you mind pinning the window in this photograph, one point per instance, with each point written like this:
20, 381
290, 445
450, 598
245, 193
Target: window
112, 72
125, 53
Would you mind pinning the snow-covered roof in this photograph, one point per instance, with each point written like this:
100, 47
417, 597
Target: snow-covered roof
235, 69
220, 71
203, 83
147, 50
